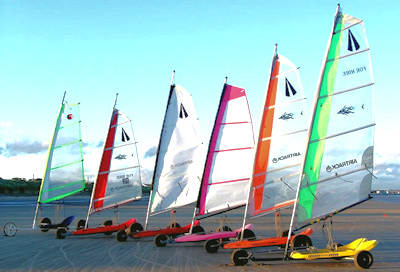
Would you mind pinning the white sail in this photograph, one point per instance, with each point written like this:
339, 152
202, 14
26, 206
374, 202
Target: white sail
180, 155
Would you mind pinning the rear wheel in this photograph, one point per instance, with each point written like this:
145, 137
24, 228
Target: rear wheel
197, 229
363, 259
160, 240
211, 246
80, 224
43, 223
61, 233
135, 227
10, 229
240, 257
301, 241
121, 236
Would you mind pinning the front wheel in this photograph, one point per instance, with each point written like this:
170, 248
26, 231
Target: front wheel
61, 233
211, 246
240, 257
363, 259
10, 229
121, 236
43, 223
80, 224
160, 240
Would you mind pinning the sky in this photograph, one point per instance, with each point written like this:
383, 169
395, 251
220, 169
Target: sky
94, 49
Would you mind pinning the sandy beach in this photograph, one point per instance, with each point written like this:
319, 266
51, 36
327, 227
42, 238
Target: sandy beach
33, 250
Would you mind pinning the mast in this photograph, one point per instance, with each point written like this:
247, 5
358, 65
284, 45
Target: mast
274, 55
309, 131
172, 86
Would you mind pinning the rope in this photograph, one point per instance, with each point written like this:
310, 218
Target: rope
278, 224
172, 221
330, 245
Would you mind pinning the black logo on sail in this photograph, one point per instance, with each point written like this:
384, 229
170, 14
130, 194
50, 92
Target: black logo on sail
125, 136
352, 41
346, 110
182, 112
289, 88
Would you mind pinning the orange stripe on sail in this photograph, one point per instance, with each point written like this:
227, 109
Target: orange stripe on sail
261, 163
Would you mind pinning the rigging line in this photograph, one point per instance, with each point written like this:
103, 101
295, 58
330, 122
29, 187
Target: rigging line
337, 175
284, 103
348, 55
276, 169
366, 168
285, 73
286, 134
343, 29
347, 90
287, 184
342, 133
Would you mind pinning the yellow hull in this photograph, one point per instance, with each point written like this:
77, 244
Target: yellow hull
349, 250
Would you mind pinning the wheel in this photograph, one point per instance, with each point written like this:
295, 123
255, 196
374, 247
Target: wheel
224, 228
240, 257
61, 233
197, 229
211, 246
135, 227
121, 236
160, 240
107, 223
10, 229
248, 235
44, 222
80, 224
173, 225
301, 241
363, 259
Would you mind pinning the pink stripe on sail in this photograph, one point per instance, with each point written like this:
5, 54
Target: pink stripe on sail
243, 148
228, 181
230, 93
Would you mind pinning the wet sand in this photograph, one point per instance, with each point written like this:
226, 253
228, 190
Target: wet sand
33, 250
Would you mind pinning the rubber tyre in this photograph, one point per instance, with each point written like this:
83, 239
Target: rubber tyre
173, 225
247, 235
121, 236
61, 233
10, 229
44, 221
211, 246
301, 241
135, 227
197, 229
80, 224
239, 257
224, 228
363, 259
160, 240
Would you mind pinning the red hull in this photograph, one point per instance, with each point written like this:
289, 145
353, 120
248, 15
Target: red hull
166, 231
105, 229
272, 241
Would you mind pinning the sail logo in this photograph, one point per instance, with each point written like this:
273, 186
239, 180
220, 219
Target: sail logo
182, 112
346, 110
125, 180
289, 88
329, 168
352, 42
124, 136
120, 157
287, 116
173, 166
288, 156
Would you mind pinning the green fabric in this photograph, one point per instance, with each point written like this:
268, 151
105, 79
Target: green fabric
319, 128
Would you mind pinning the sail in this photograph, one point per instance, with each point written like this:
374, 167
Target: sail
64, 174
282, 134
180, 155
337, 170
230, 152
119, 180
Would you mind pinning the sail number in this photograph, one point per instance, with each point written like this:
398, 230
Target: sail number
354, 71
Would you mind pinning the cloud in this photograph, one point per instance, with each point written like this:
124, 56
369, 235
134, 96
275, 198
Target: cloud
23, 147
147, 176
151, 152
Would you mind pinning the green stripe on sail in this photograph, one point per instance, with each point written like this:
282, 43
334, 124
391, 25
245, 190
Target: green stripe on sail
60, 196
319, 128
